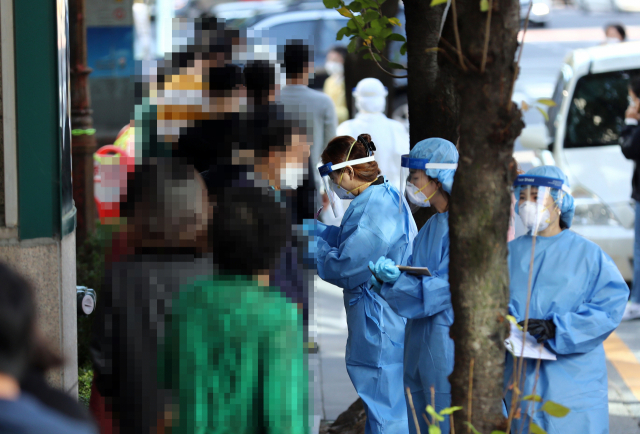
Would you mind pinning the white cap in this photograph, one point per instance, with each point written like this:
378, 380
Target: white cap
370, 95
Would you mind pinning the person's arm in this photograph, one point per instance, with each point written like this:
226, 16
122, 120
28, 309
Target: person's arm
631, 141
413, 296
586, 328
329, 233
347, 265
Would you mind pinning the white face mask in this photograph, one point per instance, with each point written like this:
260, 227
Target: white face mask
342, 193
291, 177
613, 41
533, 217
334, 68
417, 197
371, 104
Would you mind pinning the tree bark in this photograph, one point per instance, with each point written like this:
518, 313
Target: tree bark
479, 207
356, 68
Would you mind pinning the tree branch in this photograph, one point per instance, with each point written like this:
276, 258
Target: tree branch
471, 65
380, 66
517, 72
455, 31
486, 38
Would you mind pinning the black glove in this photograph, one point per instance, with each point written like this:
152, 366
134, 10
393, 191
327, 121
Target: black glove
544, 328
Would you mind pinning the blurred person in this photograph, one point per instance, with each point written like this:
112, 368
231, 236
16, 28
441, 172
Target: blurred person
615, 33
21, 412
371, 227
371, 97
334, 84
630, 143
577, 297
425, 300
166, 215
318, 111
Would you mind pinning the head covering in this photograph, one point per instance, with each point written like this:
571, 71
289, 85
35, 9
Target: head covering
370, 95
563, 199
438, 150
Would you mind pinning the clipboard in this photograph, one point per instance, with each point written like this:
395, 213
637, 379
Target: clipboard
420, 271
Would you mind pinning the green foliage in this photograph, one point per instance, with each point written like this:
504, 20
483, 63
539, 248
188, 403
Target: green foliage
555, 409
535, 398
432, 411
434, 429
85, 377
536, 429
449, 410
484, 5
473, 429
437, 2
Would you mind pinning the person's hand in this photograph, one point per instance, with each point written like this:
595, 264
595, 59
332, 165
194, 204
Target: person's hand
375, 284
386, 270
543, 328
632, 112
325, 200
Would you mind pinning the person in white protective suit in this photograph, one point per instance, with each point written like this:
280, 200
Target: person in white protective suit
371, 97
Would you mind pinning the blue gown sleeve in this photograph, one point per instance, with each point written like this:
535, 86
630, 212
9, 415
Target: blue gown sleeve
347, 265
414, 296
586, 328
328, 233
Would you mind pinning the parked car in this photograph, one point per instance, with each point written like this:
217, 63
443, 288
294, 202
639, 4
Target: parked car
582, 138
236, 12
609, 5
318, 25
540, 11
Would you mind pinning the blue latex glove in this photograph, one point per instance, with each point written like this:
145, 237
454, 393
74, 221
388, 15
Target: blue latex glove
386, 270
374, 284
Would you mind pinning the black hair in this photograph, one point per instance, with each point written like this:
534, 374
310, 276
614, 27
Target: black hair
260, 79
297, 56
17, 323
341, 51
619, 28
634, 84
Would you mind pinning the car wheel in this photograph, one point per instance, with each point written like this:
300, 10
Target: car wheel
400, 110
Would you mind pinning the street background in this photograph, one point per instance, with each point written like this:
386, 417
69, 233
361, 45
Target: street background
544, 50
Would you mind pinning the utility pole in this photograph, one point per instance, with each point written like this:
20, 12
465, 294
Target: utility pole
83, 143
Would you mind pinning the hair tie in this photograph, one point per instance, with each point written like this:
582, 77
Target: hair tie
369, 146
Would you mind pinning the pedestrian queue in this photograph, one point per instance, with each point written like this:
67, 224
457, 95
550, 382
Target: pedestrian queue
425, 300
371, 227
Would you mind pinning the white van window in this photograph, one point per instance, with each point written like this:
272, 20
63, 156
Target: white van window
596, 111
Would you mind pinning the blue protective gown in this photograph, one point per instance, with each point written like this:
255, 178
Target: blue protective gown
578, 286
371, 227
426, 302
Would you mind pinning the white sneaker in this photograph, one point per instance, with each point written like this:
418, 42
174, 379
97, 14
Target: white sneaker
631, 311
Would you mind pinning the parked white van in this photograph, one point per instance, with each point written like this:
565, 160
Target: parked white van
582, 138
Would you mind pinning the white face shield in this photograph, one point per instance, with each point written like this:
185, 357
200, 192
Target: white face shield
414, 183
538, 201
333, 186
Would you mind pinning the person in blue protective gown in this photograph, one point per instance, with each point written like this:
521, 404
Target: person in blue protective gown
577, 300
371, 226
425, 300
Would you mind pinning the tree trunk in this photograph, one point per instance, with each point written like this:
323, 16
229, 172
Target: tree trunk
433, 101
480, 205
356, 68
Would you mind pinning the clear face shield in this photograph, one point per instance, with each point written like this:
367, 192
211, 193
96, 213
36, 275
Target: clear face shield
415, 185
539, 201
332, 177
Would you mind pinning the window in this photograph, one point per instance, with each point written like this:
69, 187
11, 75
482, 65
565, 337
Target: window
596, 111
304, 30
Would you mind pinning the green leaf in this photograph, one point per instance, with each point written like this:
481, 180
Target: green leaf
385, 33
372, 31
473, 429
437, 2
352, 25
544, 113
379, 43
341, 33
536, 398
535, 429
484, 5
555, 409
434, 413
355, 6
363, 48
352, 45
403, 49
367, 56
377, 57
498, 432
395, 22
396, 37
434, 429
370, 15
394, 65
331, 4
546, 101
449, 410
345, 12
